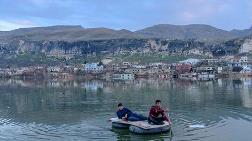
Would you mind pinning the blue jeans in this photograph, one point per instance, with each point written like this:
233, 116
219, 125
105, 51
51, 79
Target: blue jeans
136, 117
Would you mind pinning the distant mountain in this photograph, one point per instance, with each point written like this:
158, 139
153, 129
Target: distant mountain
66, 33
29, 46
242, 33
198, 32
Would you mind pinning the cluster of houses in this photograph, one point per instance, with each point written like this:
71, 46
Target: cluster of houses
196, 69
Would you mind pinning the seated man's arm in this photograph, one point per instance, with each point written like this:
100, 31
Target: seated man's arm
119, 114
128, 112
160, 110
153, 111
125, 117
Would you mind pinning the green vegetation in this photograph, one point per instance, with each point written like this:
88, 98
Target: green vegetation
151, 58
250, 56
84, 59
26, 59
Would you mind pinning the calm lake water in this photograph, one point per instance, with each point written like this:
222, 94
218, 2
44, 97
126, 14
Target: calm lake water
73, 111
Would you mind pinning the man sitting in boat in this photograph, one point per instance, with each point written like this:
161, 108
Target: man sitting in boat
157, 114
126, 114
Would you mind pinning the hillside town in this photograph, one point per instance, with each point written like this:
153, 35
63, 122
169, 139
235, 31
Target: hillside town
191, 69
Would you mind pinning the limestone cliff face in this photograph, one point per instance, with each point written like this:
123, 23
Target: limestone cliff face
69, 49
97, 46
246, 46
75, 40
157, 45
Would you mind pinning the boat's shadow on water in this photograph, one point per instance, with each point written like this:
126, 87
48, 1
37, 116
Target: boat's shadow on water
125, 135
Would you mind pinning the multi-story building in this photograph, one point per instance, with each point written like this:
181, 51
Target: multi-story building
93, 68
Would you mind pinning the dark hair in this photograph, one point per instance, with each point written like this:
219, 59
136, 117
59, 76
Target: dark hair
157, 101
119, 105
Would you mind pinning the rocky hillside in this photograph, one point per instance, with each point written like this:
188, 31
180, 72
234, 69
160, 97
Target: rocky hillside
199, 32
65, 33
77, 42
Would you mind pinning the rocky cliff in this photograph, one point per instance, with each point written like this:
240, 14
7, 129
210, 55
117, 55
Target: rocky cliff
71, 41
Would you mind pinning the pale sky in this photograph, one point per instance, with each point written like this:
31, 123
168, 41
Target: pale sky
125, 14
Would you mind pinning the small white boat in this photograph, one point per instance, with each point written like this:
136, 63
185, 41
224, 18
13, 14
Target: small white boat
140, 127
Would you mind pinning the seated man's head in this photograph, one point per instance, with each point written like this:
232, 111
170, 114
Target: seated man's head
158, 103
120, 106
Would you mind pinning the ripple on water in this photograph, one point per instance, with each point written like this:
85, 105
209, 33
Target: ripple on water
84, 116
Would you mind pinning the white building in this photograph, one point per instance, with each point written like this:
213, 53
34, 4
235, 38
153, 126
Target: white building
239, 61
190, 61
246, 69
123, 76
53, 69
107, 61
139, 66
219, 69
126, 63
195, 51
93, 67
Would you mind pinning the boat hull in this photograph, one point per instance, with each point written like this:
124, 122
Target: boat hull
140, 127
120, 125
139, 130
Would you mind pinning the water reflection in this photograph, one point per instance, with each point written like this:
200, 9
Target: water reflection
68, 110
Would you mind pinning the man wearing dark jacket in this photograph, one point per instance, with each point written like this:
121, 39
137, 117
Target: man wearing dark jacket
157, 114
126, 114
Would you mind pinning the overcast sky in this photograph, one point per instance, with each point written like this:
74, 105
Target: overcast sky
125, 14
